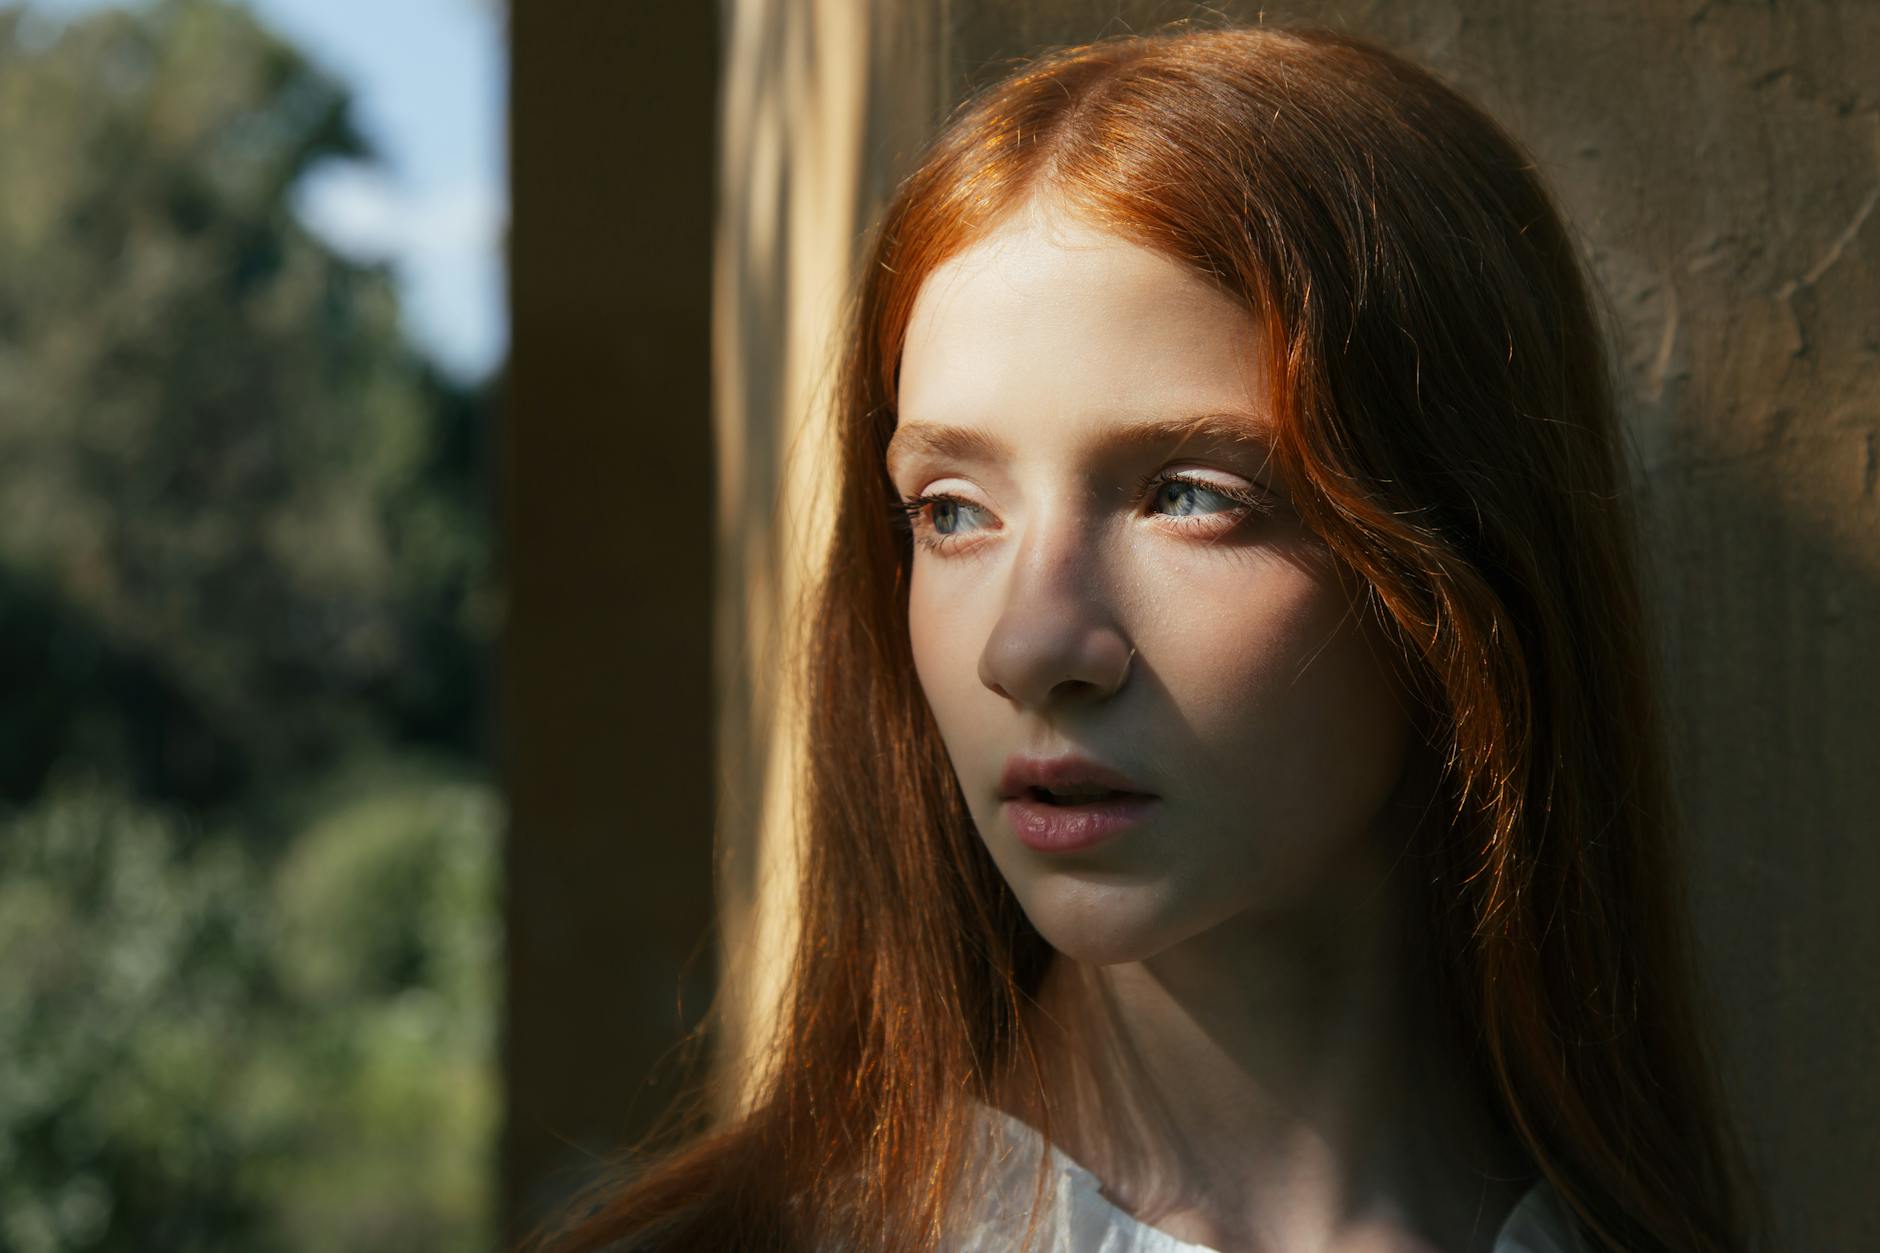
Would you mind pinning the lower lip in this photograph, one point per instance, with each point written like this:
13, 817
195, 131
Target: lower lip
1068, 828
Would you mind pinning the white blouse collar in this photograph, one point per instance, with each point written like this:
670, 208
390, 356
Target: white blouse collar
1080, 1219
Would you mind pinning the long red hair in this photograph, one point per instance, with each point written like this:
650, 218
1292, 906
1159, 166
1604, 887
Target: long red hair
1446, 423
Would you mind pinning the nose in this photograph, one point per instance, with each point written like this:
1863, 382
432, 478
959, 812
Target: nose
1056, 638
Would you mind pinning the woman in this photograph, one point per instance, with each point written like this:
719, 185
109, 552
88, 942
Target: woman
1237, 818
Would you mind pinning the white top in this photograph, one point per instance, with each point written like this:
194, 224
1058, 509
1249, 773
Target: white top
1082, 1220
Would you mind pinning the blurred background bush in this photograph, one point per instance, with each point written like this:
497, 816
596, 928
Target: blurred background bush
249, 897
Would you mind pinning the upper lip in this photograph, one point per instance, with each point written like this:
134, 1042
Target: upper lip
1061, 774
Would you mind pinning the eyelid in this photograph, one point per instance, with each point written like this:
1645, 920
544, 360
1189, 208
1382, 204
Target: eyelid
941, 486
1201, 468
1200, 474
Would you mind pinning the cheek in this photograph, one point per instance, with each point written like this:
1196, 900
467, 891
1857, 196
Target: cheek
1288, 702
945, 659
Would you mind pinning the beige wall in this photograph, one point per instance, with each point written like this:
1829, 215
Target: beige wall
1722, 162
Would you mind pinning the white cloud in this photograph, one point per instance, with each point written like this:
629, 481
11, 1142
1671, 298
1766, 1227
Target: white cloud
444, 244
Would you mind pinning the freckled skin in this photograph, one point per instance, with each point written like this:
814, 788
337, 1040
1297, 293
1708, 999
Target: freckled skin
1256, 705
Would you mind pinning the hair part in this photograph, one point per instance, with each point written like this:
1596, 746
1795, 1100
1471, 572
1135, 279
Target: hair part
1445, 422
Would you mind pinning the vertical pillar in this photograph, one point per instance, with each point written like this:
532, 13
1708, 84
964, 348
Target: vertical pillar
608, 525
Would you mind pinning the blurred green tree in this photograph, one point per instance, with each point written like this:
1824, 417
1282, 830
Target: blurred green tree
204, 1052
248, 843
239, 515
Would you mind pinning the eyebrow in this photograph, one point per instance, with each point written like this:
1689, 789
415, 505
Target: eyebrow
976, 443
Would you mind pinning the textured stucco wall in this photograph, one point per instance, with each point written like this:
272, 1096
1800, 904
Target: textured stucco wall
1721, 162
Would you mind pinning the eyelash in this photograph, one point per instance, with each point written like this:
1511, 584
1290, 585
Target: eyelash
909, 514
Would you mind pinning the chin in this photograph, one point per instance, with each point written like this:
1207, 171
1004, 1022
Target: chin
1104, 925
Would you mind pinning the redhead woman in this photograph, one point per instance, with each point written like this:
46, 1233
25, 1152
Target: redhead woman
1237, 819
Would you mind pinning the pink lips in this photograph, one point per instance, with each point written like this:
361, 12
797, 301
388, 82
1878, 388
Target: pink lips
1028, 783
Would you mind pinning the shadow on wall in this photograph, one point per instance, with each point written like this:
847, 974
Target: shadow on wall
1769, 599
1734, 230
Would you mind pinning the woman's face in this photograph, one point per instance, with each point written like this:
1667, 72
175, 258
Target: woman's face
1115, 574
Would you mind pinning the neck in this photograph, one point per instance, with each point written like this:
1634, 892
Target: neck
1277, 1084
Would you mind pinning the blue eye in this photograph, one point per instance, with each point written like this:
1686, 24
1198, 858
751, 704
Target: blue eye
1186, 497
946, 514
1193, 504
937, 520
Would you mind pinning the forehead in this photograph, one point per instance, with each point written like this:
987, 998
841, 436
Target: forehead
1049, 319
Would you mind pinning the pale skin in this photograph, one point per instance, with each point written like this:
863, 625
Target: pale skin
1231, 1026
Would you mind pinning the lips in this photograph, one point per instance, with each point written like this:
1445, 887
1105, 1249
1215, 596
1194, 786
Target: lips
1074, 796
1067, 780
1069, 804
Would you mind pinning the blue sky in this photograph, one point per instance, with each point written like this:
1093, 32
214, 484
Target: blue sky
429, 79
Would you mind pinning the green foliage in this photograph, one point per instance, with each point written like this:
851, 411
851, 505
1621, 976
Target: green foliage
248, 848
207, 1053
389, 901
217, 453
130, 965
